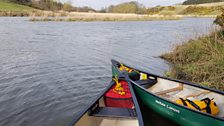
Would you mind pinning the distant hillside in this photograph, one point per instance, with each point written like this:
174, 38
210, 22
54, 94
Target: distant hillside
9, 6
194, 10
210, 9
40, 4
190, 2
47, 5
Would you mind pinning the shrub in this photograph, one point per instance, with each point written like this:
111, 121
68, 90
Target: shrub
220, 20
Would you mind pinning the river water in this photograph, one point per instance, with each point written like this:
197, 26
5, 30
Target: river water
51, 70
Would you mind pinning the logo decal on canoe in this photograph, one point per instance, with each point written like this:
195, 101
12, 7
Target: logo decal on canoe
167, 106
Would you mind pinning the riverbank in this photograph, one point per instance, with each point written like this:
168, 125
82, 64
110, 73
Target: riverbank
80, 16
176, 12
156, 13
200, 60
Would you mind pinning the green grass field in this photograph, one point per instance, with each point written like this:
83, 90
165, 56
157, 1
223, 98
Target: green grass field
8, 6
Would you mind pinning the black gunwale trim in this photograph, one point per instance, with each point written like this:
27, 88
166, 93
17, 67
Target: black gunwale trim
137, 108
199, 112
180, 81
166, 78
88, 107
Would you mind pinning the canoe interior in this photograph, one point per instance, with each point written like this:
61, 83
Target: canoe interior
172, 91
89, 120
105, 121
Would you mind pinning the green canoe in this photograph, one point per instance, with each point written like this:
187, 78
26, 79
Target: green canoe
161, 94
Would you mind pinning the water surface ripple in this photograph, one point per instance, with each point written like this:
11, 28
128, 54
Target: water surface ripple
51, 70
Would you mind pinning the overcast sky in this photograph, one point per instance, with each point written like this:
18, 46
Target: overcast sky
98, 4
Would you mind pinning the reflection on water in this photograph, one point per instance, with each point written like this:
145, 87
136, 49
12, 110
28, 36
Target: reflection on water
51, 70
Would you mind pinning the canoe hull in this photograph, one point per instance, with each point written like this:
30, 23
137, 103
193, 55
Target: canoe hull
115, 71
180, 115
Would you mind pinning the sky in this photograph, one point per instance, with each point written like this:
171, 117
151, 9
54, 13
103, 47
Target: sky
98, 4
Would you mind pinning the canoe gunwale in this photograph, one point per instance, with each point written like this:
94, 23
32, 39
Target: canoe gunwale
159, 97
96, 100
171, 79
137, 108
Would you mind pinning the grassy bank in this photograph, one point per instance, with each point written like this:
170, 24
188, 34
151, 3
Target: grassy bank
78, 16
190, 10
8, 6
200, 60
13, 9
